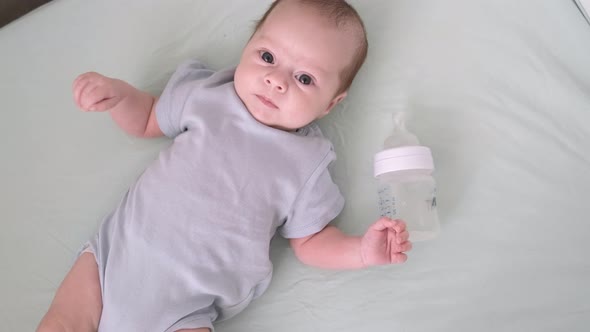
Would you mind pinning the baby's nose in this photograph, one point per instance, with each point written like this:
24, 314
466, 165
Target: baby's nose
276, 81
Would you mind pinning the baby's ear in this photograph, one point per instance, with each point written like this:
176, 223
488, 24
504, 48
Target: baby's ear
335, 102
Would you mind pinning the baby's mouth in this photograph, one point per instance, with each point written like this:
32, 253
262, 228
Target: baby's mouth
267, 102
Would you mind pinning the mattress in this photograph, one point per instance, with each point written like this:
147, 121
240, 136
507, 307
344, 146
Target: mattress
498, 89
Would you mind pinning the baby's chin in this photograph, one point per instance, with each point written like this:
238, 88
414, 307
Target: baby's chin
259, 115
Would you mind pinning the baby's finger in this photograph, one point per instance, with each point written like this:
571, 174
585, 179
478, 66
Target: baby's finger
96, 95
402, 237
77, 80
78, 87
82, 82
403, 247
90, 96
85, 95
382, 224
399, 225
104, 105
397, 258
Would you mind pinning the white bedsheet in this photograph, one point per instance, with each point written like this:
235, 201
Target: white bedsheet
499, 89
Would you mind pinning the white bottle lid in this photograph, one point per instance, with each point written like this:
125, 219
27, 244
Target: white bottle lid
402, 159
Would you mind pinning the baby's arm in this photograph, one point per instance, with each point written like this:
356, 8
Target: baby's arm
131, 109
384, 243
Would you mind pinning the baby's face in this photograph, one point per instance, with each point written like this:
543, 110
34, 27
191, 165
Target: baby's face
289, 71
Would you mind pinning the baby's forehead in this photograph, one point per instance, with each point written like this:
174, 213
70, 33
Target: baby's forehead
310, 32
348, 26
344, 20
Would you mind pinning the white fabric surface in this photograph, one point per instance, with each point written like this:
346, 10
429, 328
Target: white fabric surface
499, 89
584, 6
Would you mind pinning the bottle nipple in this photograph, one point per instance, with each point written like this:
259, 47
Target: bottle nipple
400, 136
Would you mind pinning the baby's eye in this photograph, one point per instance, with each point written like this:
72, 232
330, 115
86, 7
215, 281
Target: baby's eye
305, 79
267, 57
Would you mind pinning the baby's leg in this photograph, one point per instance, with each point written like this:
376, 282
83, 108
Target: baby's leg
204, 329
78, 302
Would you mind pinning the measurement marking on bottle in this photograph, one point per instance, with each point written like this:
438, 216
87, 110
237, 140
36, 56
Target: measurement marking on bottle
387, 203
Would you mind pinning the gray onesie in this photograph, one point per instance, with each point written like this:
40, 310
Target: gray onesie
189, 242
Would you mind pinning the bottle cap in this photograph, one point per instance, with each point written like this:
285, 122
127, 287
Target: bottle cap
402, 159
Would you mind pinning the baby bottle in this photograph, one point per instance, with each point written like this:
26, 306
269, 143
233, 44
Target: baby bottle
407, 189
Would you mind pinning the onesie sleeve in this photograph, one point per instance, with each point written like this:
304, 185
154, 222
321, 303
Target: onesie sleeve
171, 105
318, 203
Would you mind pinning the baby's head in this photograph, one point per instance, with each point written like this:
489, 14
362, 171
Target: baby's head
300, 61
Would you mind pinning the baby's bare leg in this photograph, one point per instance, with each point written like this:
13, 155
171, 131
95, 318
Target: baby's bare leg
78, 302
204, 329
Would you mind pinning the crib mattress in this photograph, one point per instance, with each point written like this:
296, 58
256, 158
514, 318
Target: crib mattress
498, 89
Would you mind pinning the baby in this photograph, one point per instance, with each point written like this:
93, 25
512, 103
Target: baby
189, 243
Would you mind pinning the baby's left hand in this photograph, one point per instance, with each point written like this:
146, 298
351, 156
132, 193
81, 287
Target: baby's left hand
385, 243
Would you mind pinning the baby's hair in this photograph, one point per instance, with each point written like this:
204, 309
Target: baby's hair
344, 16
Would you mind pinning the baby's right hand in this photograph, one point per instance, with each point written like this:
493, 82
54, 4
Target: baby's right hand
95, 92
